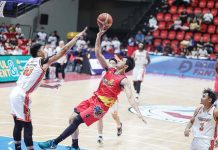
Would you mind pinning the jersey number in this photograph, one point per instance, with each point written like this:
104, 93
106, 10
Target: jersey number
28, 71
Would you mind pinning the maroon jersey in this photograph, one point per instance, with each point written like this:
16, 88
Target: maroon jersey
110, 87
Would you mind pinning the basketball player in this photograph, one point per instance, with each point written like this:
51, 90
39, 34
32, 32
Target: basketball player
204, 123
93, 109
114, 111
28, 81
142, 60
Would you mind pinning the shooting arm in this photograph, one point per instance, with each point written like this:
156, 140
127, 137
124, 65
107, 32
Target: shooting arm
98, 53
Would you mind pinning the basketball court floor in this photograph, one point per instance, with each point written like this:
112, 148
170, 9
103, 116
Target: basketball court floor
167, 101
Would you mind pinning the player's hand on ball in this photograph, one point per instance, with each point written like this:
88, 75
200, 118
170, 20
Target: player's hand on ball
101, 32
187, 132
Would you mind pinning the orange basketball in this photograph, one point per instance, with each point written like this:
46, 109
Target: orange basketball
104, 21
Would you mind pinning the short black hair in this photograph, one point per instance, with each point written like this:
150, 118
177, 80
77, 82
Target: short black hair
130, 63
34, 49
113, 59
211, 94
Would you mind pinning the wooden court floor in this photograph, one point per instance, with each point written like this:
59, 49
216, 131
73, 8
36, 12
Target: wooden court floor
52, 108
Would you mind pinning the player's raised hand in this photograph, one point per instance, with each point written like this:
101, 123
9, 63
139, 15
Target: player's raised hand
187, 132
82, 32
101, 32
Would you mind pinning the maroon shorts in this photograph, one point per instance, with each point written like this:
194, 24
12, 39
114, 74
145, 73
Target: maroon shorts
91, 110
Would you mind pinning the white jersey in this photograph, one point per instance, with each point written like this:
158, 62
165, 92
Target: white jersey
140, 58
32, 75
204, 124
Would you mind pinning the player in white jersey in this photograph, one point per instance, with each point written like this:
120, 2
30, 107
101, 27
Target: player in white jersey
204, 123
142, 60
113, 109
28, 81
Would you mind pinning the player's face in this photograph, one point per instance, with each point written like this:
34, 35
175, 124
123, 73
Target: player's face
42, 53
112, 63
205, 99
141, 46
121, 64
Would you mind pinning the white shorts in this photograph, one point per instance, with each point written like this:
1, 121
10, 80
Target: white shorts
200, 144
138, 74
20, 104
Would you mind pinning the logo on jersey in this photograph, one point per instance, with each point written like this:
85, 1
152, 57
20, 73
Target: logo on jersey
98, 112
179, 114
108, 82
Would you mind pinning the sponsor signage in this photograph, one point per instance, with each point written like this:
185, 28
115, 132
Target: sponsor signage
11, 67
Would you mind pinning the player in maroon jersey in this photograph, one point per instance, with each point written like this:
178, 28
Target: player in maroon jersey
93, 109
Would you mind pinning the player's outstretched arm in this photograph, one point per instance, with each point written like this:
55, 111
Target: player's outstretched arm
190, 123
67, 47
98, 52
56, 86
127, 88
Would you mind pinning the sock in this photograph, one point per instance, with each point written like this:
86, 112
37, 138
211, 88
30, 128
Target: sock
75, 143
18, 146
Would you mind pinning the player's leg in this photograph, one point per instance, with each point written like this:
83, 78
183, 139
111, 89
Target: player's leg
28, 133
62, 71
135, 78
90, 111
100, 131
116, 118
66, 133
135, 85
17, 133
17, 99
75, 135
57, 70
118, 123
138, 87
139, 78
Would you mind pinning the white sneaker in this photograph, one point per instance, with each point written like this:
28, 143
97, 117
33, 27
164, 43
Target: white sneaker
100, 139
136, 96
62, 80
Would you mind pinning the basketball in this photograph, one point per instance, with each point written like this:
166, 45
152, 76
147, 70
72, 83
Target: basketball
104, 21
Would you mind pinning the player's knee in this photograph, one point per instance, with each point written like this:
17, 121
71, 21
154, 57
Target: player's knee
72, 118
77, 120
115, 115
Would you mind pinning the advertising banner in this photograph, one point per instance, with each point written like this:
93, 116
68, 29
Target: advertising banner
11, 67
204, 69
